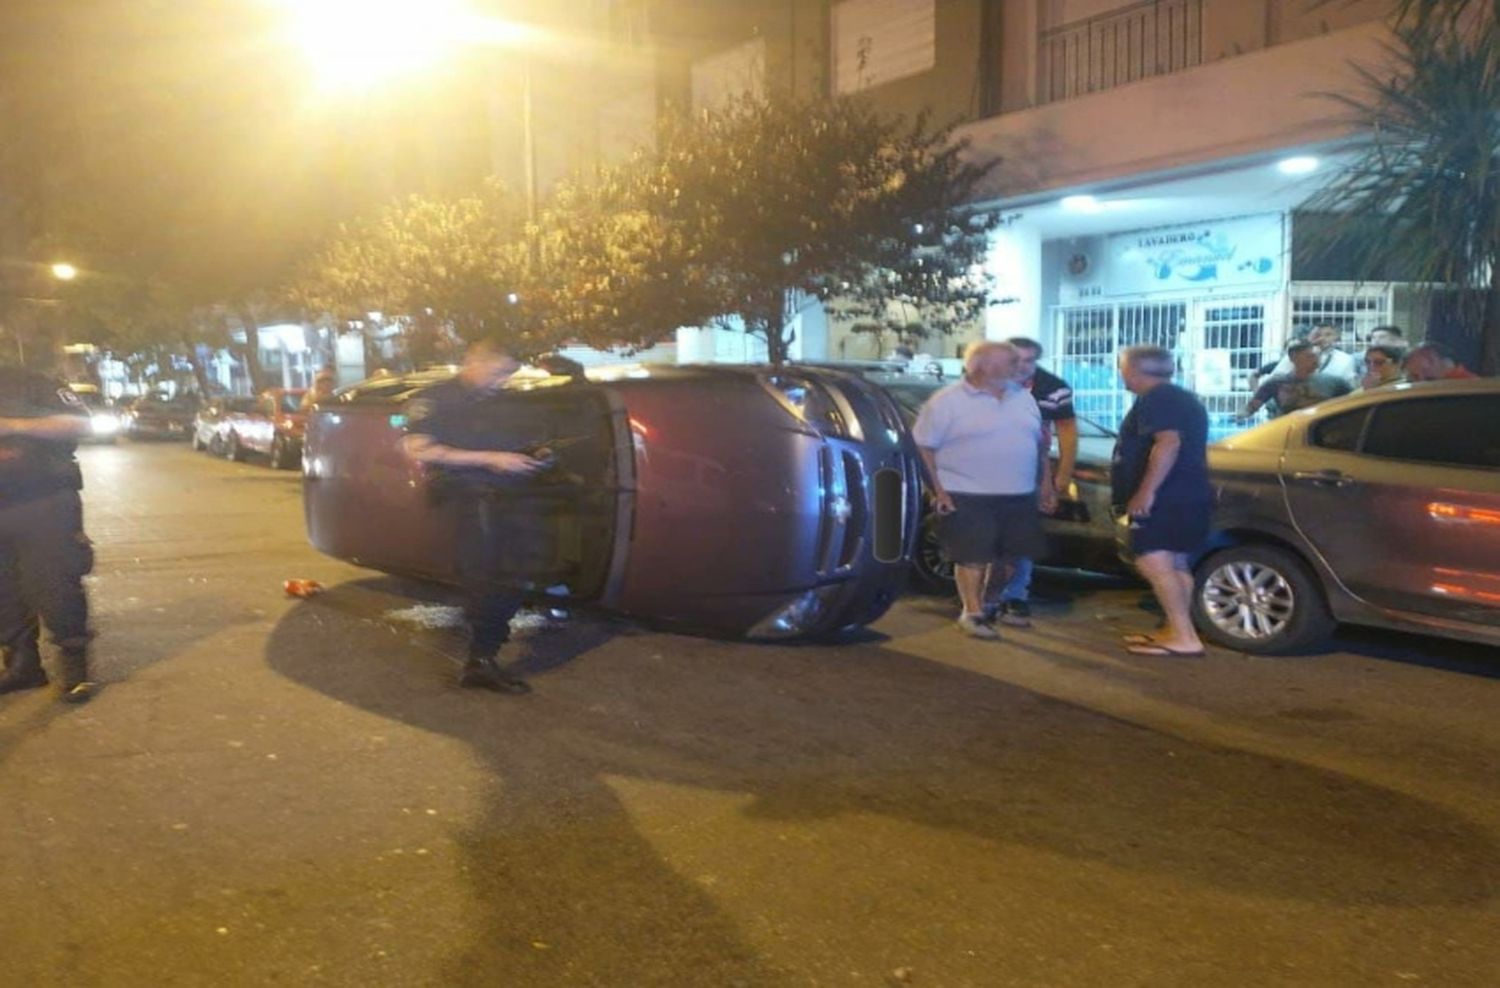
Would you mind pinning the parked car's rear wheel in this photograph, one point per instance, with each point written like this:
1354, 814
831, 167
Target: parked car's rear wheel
235, 450
930, 561
283, 454
1259, 598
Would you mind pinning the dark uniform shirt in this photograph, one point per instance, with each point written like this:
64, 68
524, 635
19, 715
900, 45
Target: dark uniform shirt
1165, 408
456, 415
1053, 396
29, 467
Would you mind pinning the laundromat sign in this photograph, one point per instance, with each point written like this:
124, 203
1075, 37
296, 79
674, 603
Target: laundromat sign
1245, 252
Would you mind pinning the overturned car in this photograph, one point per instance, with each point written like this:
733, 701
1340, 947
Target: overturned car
742, 501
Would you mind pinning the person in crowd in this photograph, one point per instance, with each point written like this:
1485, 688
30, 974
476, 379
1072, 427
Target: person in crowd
1160, 482
1382, 366
458, 429
1391, 336
44, 553
322, 389
1054, 398
1305, 386
1333, 361
1435, 362
985, 451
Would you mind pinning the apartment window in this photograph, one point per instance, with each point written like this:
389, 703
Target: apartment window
735, 72
879, 41
1137, 41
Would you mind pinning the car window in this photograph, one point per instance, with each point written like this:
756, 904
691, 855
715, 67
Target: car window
1461, 430
1340, 432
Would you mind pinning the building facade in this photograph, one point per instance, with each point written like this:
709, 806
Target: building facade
1154, 156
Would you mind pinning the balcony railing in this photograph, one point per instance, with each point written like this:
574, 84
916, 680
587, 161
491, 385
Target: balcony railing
1135, 42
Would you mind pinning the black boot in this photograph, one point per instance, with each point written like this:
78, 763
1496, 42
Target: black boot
483, 673
23, 671
76, 686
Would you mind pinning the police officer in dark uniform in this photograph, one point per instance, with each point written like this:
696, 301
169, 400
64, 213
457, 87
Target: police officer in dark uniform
43, 551
464, 430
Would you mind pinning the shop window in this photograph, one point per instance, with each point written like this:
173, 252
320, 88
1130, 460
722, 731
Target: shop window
879, 41
1457, 431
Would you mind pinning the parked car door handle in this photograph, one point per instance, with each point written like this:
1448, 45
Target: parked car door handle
1324, 478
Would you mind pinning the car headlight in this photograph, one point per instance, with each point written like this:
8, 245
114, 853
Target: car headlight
797, 615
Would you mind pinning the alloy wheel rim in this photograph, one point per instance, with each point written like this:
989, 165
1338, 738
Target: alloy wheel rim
934, 560
1248, 600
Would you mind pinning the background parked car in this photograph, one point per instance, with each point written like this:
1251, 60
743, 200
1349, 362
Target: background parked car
1080, 533
156, 417
1379, 509
211, 423
729, 500
272, 427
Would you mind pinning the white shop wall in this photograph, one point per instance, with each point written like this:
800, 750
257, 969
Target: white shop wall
1212, 292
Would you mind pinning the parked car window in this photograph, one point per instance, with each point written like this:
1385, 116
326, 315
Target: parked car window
1341, 432
1460, 431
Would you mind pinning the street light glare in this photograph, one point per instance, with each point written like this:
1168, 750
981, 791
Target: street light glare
356, 43
63, 271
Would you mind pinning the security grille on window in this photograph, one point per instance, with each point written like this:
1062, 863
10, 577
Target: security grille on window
878, 41
1354, 309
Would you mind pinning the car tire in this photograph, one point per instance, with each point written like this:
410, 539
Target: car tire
234, 449
1261, 599
281, 455
932, 564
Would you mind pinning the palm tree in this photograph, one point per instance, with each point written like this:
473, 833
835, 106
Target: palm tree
1423, 195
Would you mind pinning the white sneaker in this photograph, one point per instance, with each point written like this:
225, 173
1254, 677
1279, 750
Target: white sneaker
974, 626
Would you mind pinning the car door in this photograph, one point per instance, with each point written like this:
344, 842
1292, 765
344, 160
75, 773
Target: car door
1402, 500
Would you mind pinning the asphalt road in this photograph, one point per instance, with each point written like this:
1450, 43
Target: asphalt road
273, 791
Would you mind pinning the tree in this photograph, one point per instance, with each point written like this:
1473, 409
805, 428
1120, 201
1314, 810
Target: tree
768, 202
461, 264
1423, 196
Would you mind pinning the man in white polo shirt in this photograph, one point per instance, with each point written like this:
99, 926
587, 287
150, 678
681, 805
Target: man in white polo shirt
985, 450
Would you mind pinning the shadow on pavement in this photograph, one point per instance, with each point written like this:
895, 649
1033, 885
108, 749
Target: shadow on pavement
816, 734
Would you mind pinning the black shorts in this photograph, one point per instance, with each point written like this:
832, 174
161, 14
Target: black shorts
987, 527
1181, 528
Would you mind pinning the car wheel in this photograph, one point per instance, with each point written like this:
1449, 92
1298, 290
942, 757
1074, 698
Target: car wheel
930, 561
282, 457
235, 450
1259, 598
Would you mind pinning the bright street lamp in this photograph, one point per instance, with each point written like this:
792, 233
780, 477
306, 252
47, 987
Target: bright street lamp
353, 44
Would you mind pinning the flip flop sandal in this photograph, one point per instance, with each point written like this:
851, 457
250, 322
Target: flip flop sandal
1137, 639
1162, 651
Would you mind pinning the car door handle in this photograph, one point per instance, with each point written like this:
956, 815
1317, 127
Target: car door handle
1324, 478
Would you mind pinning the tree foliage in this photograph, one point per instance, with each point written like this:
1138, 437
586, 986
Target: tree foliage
1423, 195
772, 200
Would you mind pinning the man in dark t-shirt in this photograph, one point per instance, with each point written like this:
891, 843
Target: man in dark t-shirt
44, 553
1160, 480
1054, 398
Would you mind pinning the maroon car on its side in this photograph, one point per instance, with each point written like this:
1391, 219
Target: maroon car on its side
272, 427
738, 501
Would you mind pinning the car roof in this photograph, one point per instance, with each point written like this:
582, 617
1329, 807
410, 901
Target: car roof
1272, 434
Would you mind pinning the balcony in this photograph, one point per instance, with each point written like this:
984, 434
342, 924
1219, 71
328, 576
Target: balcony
1152, 38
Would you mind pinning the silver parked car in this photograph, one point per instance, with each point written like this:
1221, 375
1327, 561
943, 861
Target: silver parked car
1380, 509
